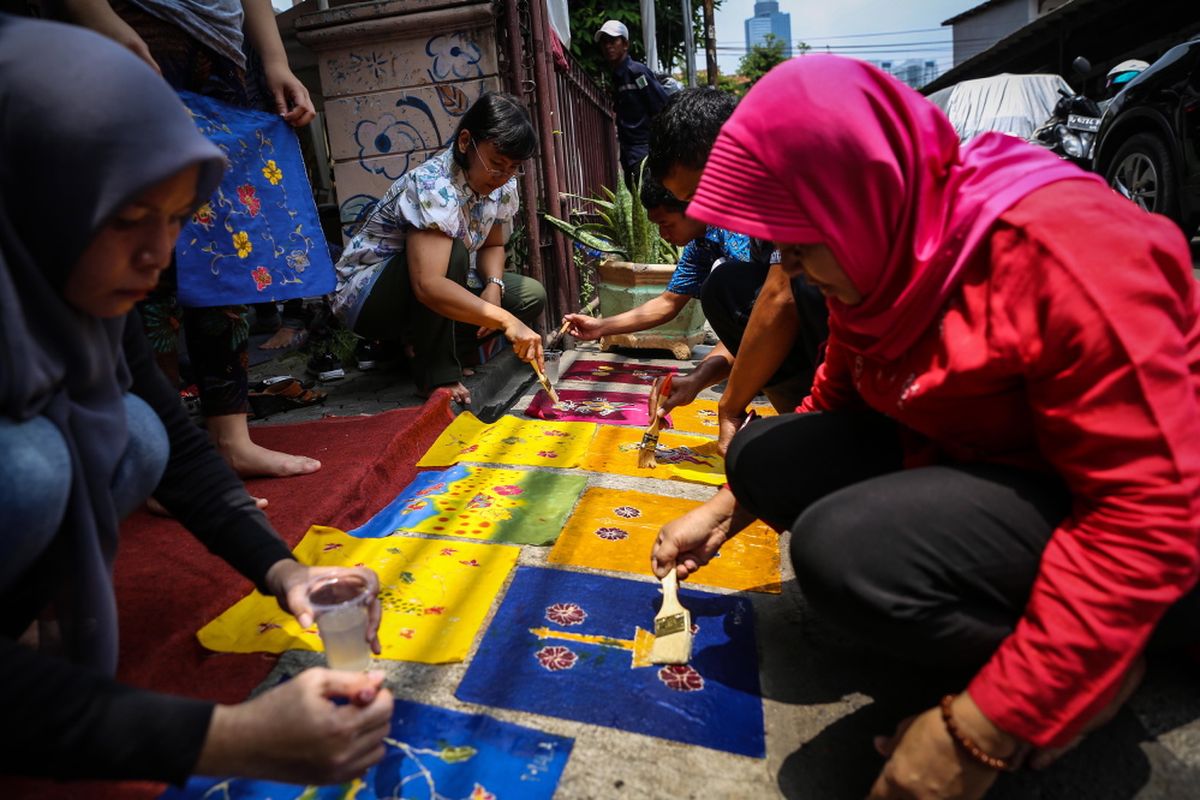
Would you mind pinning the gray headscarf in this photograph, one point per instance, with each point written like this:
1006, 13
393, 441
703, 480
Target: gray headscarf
85, 127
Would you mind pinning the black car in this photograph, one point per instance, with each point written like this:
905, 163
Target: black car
1148, 145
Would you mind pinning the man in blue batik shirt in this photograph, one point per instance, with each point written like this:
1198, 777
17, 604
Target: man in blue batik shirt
705, 248
637, 96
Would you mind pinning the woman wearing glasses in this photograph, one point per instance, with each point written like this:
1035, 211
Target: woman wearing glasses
408, 274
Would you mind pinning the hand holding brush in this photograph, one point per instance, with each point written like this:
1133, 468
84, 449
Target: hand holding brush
660, 389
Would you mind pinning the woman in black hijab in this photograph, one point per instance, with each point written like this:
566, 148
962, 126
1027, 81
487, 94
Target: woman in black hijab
101, 164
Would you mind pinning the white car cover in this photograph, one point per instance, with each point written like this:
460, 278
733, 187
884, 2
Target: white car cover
1013, 104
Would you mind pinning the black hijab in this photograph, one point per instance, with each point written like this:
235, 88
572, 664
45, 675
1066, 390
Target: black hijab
85, 127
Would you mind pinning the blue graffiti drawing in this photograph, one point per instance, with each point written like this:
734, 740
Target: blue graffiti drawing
377, 65
394, 136
455, 56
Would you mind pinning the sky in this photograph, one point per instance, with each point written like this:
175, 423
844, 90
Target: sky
870, 29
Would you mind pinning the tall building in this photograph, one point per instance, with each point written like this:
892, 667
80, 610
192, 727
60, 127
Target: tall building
767, 19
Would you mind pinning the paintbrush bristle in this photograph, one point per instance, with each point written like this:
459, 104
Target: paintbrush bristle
674, 645
672, 627
648, 449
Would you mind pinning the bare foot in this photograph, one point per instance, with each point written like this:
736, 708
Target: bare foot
1043, 758
231, 436
458, 393
250, 460
284, 337
467, 372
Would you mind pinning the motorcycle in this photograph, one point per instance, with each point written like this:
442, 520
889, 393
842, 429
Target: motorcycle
1070, 132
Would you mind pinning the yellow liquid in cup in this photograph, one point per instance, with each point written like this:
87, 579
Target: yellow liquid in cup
343, 631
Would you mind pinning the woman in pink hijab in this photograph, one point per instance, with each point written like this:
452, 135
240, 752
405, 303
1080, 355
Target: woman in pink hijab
998, 468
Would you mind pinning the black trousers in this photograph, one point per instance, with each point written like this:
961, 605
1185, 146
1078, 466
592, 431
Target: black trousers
933, 564
728, 298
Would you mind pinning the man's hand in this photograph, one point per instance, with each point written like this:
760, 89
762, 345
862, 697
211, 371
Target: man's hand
924, 763
687, 543
728, 424
583, 327
289, 580
292, 101
683, 392
294, 733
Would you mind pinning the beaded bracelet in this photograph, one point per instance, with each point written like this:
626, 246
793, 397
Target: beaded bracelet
968, 745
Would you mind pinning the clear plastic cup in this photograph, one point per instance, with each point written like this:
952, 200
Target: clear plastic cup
339, 603
553, 358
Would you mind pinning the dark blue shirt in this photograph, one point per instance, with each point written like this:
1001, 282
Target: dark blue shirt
637, 97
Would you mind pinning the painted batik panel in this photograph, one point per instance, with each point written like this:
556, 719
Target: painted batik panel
700, 416
430, 753
258, 238
678, 456
586, 405
512, 441
500, 505
615, 530
562, 640
593, 371
434, 592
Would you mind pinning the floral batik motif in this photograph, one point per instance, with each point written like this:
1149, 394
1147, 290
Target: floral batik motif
258, 238
500, 505
613, 530
594, 371
678, 456
558, 665
511, 441
430, 753
578, 405
434, 596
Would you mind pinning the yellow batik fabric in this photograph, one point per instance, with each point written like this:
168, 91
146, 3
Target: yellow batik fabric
511, 440
700, 416
679, 456
615, 530
434, 592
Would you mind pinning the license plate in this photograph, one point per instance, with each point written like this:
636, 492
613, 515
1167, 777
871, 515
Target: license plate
1077, 122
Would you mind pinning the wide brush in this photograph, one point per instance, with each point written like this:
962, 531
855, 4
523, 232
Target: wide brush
649, 446
545, 382
672, 626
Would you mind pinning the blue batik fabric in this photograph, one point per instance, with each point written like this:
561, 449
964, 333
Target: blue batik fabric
258, 238
699, 255
566, 644
431, 753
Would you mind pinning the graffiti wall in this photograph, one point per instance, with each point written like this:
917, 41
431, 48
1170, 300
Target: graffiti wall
391, 103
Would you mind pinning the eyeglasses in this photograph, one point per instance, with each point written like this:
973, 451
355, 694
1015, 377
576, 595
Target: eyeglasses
496, 173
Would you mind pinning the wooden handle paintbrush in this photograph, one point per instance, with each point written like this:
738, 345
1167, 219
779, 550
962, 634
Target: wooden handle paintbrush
544, 381
649, 446
672, 626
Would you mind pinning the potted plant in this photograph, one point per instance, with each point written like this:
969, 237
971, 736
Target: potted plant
636, 264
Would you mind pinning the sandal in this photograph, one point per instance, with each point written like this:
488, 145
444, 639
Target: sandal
283, 396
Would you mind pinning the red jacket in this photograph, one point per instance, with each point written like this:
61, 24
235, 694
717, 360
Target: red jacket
1072, 346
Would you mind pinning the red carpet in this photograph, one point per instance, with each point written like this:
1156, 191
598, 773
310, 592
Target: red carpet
168, 585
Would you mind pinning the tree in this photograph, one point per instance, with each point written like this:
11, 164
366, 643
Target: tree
759, 60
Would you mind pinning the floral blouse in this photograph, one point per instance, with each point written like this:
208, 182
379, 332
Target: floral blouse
433, 196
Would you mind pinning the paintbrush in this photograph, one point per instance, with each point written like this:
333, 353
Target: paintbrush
649, 446
563, 329
672, 626
544, 381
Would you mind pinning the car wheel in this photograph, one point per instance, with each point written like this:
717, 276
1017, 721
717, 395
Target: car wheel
1143, 171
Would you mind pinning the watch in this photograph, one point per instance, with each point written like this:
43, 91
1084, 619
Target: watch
498, 281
